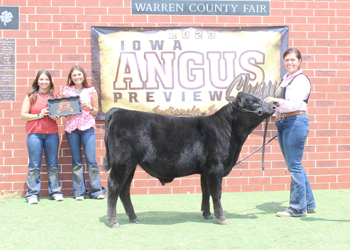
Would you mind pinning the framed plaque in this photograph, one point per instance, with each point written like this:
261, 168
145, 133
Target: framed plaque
64, 106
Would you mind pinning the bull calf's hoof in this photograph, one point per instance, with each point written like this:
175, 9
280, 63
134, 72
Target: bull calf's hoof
115, 225
207, 216
136, 220
222, 221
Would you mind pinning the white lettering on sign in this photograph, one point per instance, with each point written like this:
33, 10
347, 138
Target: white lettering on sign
190, 67
148, 7
212, 8
254, 8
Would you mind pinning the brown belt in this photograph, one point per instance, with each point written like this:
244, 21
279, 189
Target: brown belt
280, 116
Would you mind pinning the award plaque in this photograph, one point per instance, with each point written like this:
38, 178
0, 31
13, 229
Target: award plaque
64, 106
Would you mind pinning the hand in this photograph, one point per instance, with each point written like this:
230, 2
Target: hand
86, 105
269, 100
44, 112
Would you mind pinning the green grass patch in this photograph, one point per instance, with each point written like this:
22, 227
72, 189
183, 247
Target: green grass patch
175, 222
5, 196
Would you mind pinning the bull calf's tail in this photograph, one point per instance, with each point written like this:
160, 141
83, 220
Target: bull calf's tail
108, 118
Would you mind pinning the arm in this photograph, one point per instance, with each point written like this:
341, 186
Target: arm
26, 116
94, 102
296, 93
94, 107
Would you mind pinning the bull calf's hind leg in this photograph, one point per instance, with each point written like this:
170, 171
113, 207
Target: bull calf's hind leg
205, 199
112, 198
125, 197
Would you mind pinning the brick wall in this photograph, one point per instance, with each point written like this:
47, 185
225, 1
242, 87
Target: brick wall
55, 35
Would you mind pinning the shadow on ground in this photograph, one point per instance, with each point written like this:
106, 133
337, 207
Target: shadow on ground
172, 218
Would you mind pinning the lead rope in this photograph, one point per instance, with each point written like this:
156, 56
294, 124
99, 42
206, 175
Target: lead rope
263, 146
263, 152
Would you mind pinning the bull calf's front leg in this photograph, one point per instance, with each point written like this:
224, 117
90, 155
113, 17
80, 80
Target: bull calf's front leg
218, 211
215, 190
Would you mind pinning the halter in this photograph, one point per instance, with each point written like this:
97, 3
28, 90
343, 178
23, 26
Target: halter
258, 112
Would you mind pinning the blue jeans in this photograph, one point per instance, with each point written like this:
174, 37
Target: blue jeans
86, 138
36, 143
292, 134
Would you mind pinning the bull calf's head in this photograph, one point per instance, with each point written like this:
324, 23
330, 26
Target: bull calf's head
245, 102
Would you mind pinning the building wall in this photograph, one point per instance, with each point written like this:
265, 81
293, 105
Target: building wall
55, 35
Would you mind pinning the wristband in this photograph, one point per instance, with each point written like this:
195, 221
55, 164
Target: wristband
92, 108
38, 115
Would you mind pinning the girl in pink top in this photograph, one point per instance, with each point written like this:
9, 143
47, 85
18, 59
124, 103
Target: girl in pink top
80, 130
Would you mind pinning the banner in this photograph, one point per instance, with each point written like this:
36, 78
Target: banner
184, 71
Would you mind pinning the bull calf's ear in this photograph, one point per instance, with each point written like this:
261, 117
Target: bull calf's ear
240, 101
233, 101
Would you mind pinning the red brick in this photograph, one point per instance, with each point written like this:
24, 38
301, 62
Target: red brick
317, 171
183, 190
65, 50
344, 178
5, 170
343, 28
5, 186
319, 186
145, 183
252, 188
47, 26
134, 191
64, 18
261, 180
49, 58
118, 11
41, 65
339, 20
160, 190
95, 11
64, 3
236, 181
190, 182
72, 42
342, 185
14, 3
14, 34
15, 177
64, 34
47, 10
90, 3
280, 187
228, 189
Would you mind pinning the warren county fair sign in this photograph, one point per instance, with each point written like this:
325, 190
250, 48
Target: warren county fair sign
189, 7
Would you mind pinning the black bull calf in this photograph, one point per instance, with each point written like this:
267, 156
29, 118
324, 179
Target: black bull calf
170, 147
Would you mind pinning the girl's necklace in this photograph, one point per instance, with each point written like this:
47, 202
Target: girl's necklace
44, 95
78, 90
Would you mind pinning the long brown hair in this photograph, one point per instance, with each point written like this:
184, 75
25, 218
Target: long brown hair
69, 80
33, 91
